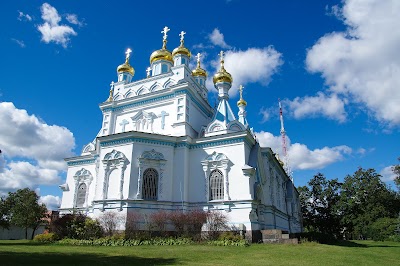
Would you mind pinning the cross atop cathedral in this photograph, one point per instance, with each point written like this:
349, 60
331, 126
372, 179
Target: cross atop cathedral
182, 34
198, 57
128, 53
221, 56
165, 31
241, 91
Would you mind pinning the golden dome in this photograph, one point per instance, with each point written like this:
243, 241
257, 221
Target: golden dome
241, 101
222, 75
162, 54
181, 50
126, 67
198, 71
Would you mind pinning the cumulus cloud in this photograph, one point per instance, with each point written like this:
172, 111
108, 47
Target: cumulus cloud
363, 63
32, 151
330, 106
51, 30
265, 114
73, 19
217, 38
22, 16
387, 174
300, 156
51, 202
254, 65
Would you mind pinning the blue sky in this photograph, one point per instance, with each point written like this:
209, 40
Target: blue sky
334, 64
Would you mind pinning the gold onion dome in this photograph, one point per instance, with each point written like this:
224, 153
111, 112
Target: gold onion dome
181, 50
241, 101
126, 67
198, 71
222, 75
162, 54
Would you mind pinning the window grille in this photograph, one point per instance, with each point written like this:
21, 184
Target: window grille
216, 185
81, 195
150, 184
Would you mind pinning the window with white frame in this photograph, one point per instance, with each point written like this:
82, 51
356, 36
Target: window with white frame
216, 185
150, 184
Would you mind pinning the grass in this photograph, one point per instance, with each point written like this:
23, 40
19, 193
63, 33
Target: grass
21, 252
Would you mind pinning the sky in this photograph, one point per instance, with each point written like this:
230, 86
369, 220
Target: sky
335, 66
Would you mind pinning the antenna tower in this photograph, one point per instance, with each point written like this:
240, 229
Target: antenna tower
286, 165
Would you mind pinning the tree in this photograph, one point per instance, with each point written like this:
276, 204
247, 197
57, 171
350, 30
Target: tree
396, 171
25, 211
363, 200
319, 204
382, 228
4, 213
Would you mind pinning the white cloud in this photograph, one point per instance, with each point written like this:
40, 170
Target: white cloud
73, 19
363, 63
51, 202
300, 156
35, 150
51, 30
217, 38
22, 16
265, 114
254, 65
19, 42
387, 174
320, 105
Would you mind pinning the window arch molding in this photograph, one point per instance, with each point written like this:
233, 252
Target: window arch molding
114, 160
216, 161
82, 178
155, 160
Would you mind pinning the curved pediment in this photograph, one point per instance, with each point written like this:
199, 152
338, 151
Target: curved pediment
152, 155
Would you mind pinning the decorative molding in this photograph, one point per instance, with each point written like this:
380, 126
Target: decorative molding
80, 162
212, 162
82, 176
112, 161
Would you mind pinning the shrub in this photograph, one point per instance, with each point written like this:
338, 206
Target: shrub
132, 225
178, 219
112, 241
110, 221
158, 221
382, 228
217, 222
77, 226
45, 238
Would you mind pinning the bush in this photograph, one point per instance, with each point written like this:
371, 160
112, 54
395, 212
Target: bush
110, 221
132, 225
45, 238
77, 226
112, 241
314, 237
382, 228
217, 223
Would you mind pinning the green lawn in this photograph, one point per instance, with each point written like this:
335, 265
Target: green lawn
354, 253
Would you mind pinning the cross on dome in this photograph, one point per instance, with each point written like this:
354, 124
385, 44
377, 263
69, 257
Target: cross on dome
128, 53
198, 57
221, 56
182, 34
241, 91
165, 31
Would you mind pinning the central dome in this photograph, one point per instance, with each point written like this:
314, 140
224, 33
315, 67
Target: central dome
162, 54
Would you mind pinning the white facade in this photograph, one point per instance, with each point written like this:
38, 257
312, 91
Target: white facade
163, 147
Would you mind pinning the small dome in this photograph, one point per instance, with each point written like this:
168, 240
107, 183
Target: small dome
222, 76
198, 71
126, 67
162, 54
241, 102
181, 50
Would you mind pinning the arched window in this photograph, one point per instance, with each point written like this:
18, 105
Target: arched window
81, 195
216, 185
150, 184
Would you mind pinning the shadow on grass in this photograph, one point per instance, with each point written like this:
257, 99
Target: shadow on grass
46, 258
346, 243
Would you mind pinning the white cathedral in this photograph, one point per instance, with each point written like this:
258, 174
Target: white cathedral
163, 147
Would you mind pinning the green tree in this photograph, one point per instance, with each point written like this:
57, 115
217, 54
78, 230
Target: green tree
364, 199
383, 228
4, 213
26, 212
319, 204
396, 170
